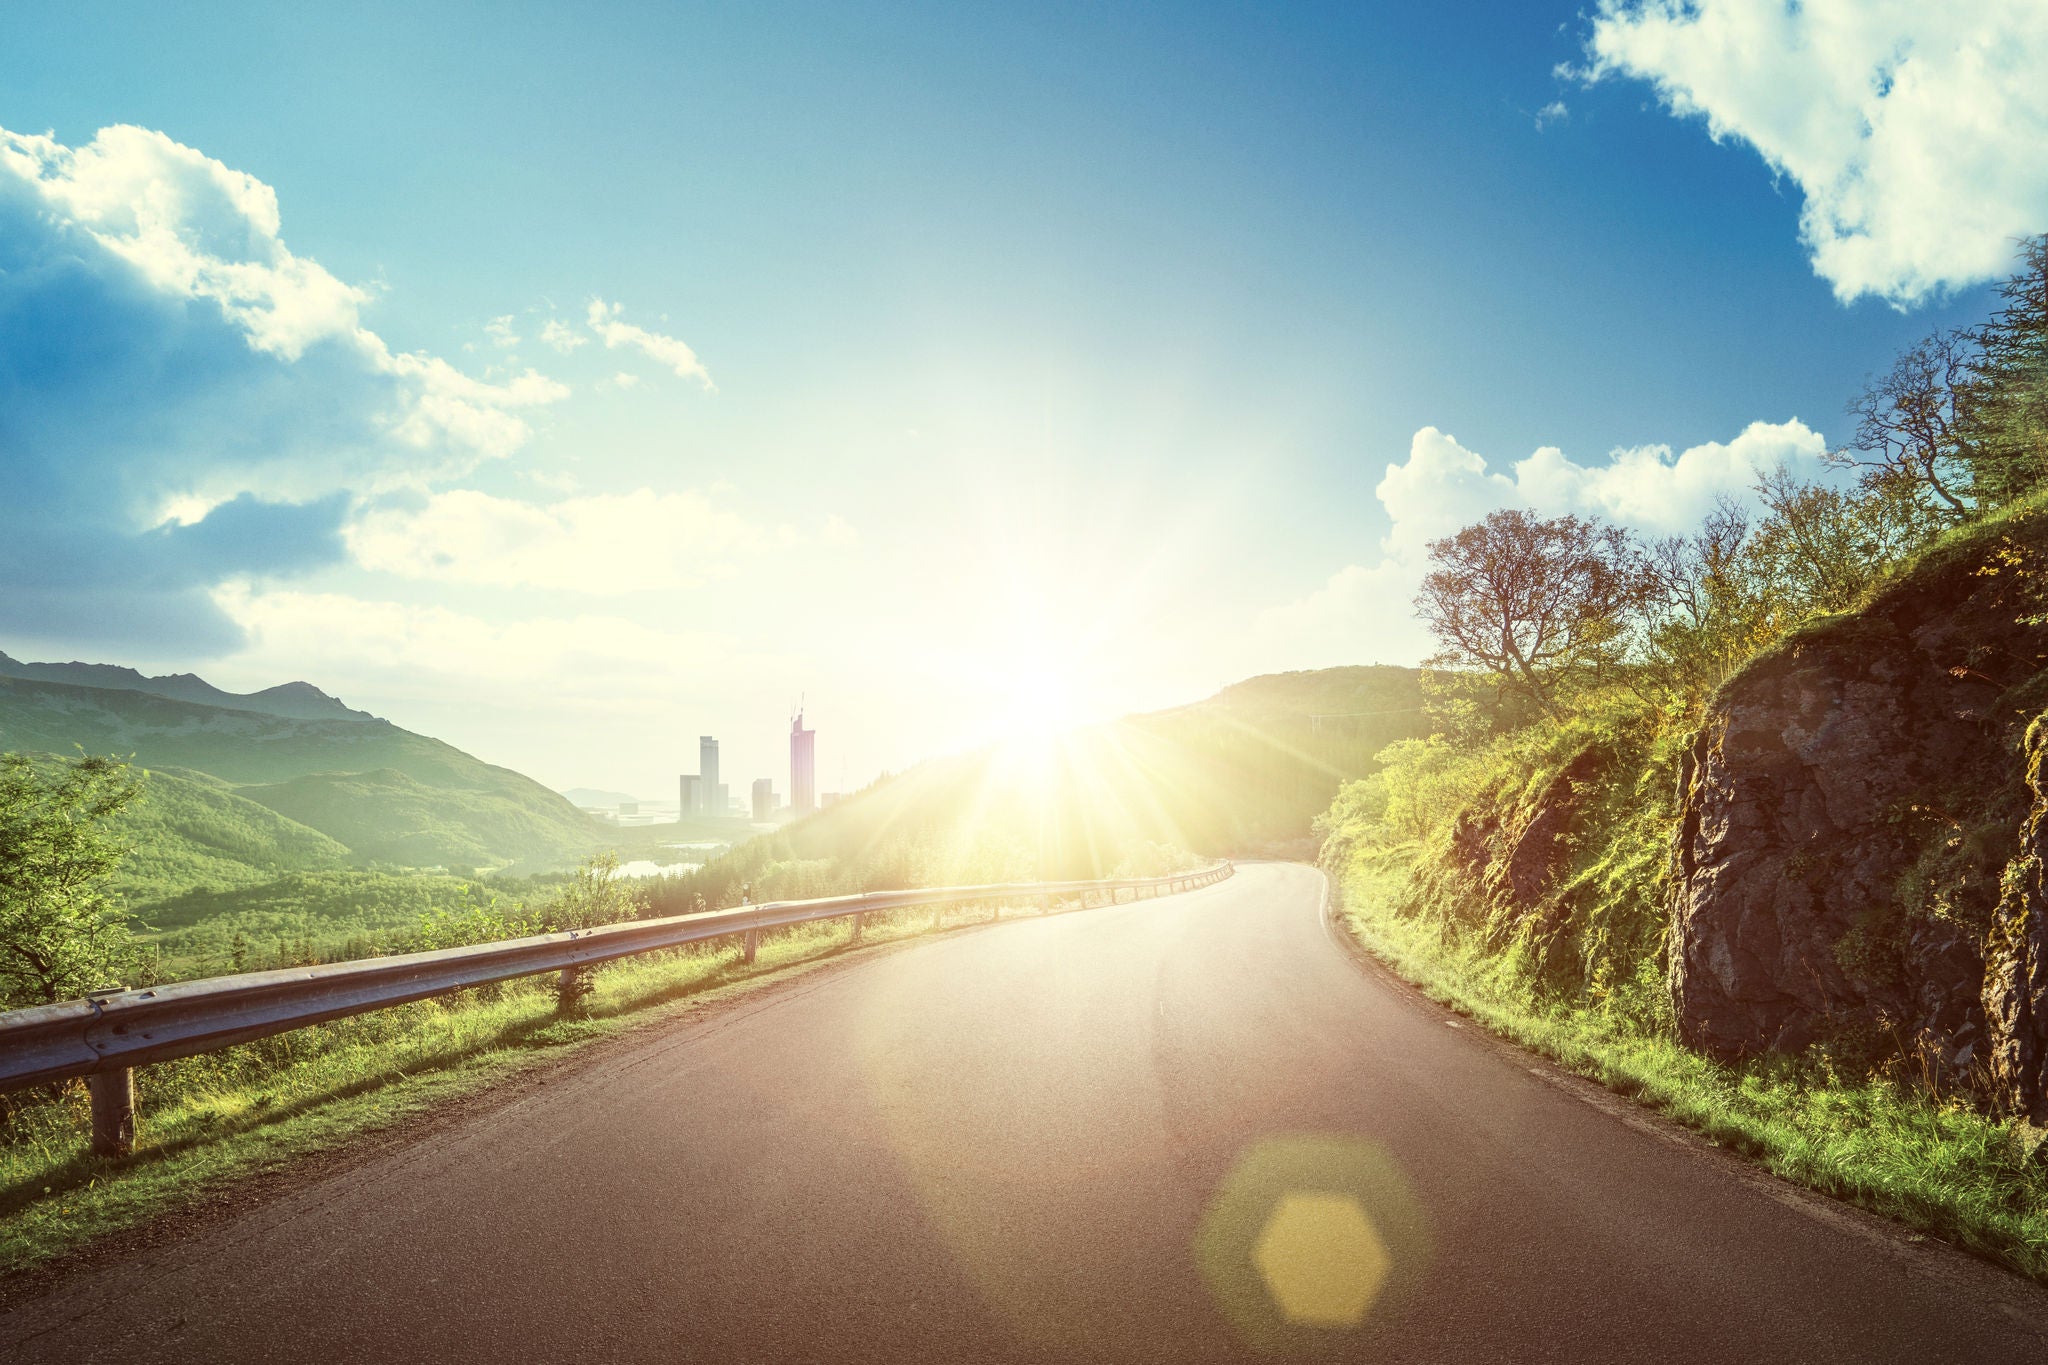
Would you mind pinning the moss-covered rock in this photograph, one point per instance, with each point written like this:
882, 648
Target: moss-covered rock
2016, 958
1848, 807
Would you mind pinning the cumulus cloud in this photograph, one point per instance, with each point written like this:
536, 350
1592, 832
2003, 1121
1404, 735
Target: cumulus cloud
1914, 130
561, 336
502, 333
448, 671
1442, 486
344, 637
182, 397
666, 350
598, 544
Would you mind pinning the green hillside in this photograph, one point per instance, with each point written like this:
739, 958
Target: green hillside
1259, 761
301, 916
388, 816
437, 806
190, 830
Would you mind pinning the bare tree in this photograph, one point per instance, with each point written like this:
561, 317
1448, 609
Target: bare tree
1541, 604
1907, 422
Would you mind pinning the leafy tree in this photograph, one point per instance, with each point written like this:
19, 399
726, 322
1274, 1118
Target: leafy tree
59, 934
1706, 610
594, 895
2004, 418
1908, 425
1821, 548
1541, 605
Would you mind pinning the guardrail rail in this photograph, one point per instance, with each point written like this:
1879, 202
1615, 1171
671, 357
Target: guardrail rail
105, 1036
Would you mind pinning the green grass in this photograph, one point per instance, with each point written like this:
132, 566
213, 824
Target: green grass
1936, 1166
210, 1122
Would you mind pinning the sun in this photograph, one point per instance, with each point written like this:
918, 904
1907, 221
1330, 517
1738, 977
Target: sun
1036, 702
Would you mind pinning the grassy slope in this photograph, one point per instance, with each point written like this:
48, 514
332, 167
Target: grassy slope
191, 830
301, 916
387, 816
471, 811
1582, 977
1941, 1168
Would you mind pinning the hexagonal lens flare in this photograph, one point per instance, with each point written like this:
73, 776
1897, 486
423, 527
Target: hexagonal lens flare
1311, 1234
1321, 1259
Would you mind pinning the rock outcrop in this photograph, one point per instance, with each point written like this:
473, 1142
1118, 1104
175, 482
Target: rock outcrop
1846, 812
2016, 963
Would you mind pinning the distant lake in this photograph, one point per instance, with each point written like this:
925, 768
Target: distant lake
646, 867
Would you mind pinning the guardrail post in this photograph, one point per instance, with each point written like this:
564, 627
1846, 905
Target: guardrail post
859, 919
750, 942
572, 990
113, 1112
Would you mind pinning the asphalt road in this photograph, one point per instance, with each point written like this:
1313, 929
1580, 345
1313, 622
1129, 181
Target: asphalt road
1191, 1129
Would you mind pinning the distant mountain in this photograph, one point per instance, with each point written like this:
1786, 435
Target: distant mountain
383, 793
295, 700
596, 798
1243, 772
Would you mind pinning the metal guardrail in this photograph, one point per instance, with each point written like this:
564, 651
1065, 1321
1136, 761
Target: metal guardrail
109, 1033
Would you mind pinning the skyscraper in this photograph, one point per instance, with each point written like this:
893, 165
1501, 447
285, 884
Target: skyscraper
691, 803
764, 800
709, 791
803, 767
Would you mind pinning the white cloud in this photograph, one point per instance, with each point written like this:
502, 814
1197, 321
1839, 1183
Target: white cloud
604, 321
1644, 487
332, 635
501, 332
1439, 488
601, 544
480, 683
191, 227
1553, 112
1914, 129
194, 229
839, 533
1360, 613
168, 354
561, 336
1365, 609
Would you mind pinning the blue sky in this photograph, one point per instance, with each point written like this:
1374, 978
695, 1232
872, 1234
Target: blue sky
943, 363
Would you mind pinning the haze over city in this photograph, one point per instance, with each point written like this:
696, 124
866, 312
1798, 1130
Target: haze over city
961, 369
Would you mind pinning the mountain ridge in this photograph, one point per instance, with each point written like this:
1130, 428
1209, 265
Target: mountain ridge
292, 700
464, 811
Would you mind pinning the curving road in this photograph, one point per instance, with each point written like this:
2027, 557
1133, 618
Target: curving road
1191, 1129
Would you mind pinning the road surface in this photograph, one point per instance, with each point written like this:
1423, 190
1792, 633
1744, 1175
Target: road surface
1190, 1129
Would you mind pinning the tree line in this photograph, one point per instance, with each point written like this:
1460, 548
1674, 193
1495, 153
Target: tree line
1531, 613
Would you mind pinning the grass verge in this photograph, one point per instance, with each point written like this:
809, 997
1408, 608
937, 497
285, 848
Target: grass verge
1939, 1167
211, 1122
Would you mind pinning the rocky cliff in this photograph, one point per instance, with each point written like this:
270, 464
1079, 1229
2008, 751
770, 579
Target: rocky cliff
1847, 816
2016, 965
